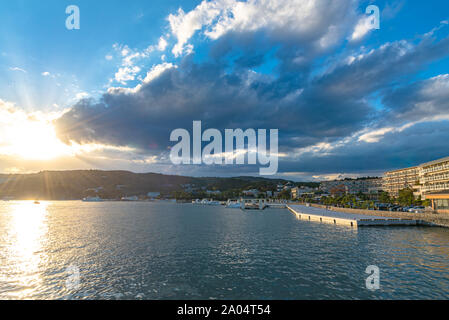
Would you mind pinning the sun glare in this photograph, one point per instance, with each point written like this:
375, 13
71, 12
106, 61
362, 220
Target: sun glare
34, 140
27, 225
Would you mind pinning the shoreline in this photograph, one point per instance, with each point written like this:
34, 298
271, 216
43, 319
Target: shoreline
424, 219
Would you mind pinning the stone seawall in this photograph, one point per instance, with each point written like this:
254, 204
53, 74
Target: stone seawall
440, 219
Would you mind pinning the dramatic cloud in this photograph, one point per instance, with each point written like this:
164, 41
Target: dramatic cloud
355, 113
316, 23
412, 145
427, 99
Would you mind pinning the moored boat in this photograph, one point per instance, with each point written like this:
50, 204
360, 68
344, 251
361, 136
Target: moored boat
92, 199
233, 204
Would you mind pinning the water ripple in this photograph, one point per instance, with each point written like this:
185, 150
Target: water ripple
169, 251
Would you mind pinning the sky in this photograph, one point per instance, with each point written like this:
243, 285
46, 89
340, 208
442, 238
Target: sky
348, 99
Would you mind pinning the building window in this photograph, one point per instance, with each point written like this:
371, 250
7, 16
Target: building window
442, 204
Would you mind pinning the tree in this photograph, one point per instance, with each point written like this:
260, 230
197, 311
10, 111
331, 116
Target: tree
384, 197
285, 194
362, 196
406, 197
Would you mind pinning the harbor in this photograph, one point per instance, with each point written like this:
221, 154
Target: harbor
205, 252
245, 203
261, 204
321, 215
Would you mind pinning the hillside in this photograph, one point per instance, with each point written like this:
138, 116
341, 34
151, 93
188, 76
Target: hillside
69, 185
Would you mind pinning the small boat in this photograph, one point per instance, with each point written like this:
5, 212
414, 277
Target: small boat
92, 199
207, 202
252, 206
37, 202
233, 204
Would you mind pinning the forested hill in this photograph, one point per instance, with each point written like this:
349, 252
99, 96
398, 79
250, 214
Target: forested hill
68, 185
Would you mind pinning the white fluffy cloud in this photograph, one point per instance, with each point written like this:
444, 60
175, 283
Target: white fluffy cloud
130, 57
162, 44
363, 27
320, 22
125, 74
152, 74
81, 95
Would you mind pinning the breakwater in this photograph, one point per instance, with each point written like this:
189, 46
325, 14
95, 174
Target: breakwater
429, 219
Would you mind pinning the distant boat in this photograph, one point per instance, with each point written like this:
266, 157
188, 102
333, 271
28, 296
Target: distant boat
37, 202
233, 204
253, 204
132, 198
92, 199
210, 202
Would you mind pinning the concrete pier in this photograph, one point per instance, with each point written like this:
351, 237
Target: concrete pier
346, 219
261, 204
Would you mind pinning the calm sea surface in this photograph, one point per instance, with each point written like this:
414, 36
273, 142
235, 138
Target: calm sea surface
182, 251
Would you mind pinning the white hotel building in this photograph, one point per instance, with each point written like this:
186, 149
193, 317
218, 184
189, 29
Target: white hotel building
434, 176
427, 179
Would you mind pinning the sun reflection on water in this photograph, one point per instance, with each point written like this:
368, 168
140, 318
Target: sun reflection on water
23, 240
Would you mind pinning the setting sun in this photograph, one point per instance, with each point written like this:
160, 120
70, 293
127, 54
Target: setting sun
37, 141
29, 136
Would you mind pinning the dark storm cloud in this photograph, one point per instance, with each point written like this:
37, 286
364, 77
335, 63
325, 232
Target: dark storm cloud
205, 92
306, 109
417, 144
424, 99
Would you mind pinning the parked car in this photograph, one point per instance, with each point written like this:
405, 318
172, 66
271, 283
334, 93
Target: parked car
417, 209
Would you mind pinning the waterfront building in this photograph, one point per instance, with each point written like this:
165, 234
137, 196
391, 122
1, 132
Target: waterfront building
434, 176
439, 201
251, 193
153, 195
288, 186
339, 190
394, 181
298, 192
426, 179
367, 186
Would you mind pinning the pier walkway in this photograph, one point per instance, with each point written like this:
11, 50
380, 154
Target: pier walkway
346, 219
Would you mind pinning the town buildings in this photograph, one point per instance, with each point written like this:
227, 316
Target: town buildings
434, 184
251, 193
153, 195
394, 181
298, 192
367, 186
